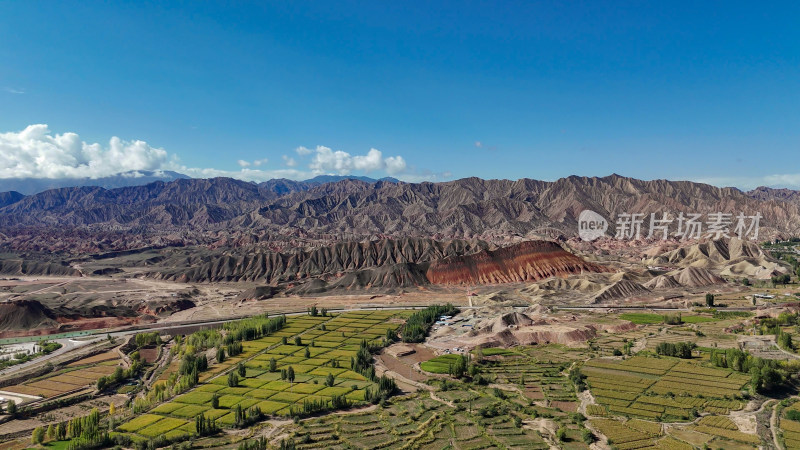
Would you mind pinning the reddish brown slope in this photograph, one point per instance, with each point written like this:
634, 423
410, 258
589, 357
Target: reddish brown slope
527, 261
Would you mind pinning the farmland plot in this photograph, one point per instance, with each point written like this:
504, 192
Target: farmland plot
320, 372
78, 375
655, 388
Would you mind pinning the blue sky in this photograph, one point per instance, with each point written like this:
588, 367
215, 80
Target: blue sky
706, 91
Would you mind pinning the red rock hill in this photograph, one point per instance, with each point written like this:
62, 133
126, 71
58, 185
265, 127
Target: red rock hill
527, 261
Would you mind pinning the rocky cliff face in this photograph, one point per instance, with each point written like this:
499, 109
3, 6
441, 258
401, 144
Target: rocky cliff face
32, 267
728, 257
10, 197
25, 315
328, 262
765, 193
527, 261
385, 263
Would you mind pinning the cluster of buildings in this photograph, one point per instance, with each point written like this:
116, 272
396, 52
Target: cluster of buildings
11, 350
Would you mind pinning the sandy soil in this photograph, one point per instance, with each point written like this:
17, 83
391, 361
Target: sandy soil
586, 399
17, 397
546, 427
149, 354
746, 423
404, 368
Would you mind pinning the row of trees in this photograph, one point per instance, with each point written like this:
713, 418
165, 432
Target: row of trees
288, 374
419, 323
200, 340
386, 387
83, 432
362, 363
315, 406
244, 418
577, 378
781, 279
253, 328
314, 312
774, 326
462, 366
766, 374
147, 339
254, 444
119, 375
205, 426
234, 348
678, 349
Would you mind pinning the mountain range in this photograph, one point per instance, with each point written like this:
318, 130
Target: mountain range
231, 213
29, 186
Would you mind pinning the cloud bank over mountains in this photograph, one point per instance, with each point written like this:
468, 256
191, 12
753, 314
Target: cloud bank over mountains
36, 152
326, 160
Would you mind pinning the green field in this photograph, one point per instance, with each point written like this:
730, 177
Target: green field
439, 364
668, 388
418, 421
492, 351
312, 364
652, 318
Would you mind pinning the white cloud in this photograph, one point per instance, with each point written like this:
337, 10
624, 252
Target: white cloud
14, 91
246, 174
289, 161
481, 144
373, 160
35, 152
395, 165
425, 175
339, 162
302, 151
786, 180
258, 162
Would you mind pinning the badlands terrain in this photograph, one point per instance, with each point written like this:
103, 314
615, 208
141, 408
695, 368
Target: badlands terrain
466, 314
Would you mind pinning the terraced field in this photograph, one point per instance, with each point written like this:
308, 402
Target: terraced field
635, 434
652, 319
538, 372
416, 421
79, 374
324, 350
606, 344
790, 429
723, 429
524, 399
440, 364
662, 388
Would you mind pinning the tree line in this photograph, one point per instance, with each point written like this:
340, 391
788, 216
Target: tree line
678, 349
419, 323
